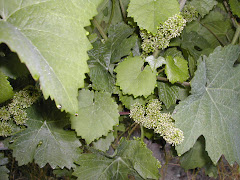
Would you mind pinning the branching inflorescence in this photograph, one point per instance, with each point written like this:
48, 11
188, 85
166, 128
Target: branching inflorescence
16, 110
171, 28
151, 117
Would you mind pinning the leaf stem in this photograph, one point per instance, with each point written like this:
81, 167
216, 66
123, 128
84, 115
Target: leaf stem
166, 80
156, 53
182, 4
100, 29
236, 35
112, 13
123, 10
142, 133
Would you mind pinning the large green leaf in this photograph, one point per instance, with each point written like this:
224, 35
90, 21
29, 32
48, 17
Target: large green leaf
204, 6
132, 158
6, 90
150, 13
103, 55
97, 115
235, 7
104, 143
50, 38
45, 141
213, 108
133, 80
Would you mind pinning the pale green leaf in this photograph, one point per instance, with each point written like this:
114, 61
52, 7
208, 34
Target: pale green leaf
176, 69
168, 93
133, 80
196, 157
104, 143
204, 6
235, 7
97, 114
213, 108
44, 141
49, 37
155, 63
131, 158
6, 90
149, 14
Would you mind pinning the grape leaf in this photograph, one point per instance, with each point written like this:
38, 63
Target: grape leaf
235, 7
155, 63
45, 141
97, 115
150, 13
3, 170
212, 109
104, 143
176, 69
49, 37
204, 6
102, 56
196, 157
133, 80
6, 90
168, 93
131, 158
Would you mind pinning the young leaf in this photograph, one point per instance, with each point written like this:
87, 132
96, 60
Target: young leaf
155, 63
213, 108
133, 80
176, 69
150, 13
49, 37
204, 6
132, 158
6, 90
97, 114
45, 141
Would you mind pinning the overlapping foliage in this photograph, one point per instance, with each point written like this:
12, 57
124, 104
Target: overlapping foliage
183, 53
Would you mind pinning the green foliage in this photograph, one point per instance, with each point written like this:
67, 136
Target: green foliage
235, 7
133, 80
39, 38
204, 6
149, 14
130, 158
212, 109
6, 90
3, 170
151, 117
97, 114
104, 143
45, 140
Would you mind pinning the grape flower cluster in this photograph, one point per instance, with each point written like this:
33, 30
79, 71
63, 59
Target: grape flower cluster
16, 110
151, 117
171, 28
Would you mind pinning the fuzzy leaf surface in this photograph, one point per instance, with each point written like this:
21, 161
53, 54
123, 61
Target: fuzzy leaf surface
45, 141
6, 90
133, 80
150, 13
132, 158
97, 114
213, 108
176, 69
49, 37
204, 6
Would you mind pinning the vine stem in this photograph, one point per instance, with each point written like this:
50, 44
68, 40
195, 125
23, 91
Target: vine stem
123, 10
142, 133
100, 29
236, 35
182, 4
166, 80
